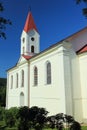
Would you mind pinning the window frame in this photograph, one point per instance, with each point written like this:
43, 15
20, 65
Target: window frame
35, 76
11, 81
48, 73
22, 78
32, 49
16, 80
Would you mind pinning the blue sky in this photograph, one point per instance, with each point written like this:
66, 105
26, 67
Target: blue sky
55, 20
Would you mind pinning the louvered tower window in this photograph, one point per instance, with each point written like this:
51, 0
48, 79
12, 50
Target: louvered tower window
32, 49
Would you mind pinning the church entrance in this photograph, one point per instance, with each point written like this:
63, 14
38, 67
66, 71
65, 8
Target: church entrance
21, 99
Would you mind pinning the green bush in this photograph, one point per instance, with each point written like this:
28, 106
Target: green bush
30, 118
75, 126
10, 117
35, 118
2, 111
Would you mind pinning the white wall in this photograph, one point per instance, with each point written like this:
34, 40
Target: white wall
52, 97
76, 84
14, 93
83, 78
64, 94
28, 42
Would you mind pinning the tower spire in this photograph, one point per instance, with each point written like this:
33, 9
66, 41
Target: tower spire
30, 37
29, 24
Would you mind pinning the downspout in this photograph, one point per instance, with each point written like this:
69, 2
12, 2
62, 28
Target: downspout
28, 83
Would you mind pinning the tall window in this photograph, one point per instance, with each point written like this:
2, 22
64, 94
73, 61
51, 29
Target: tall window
17, 80
11, 81
48, 72
35, 76
22, 82
23, 39
32, 49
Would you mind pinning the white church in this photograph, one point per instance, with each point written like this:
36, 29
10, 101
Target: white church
55, 79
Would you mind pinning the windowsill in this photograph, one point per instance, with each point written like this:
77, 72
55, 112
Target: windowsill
35, 85
48, 84
22, 86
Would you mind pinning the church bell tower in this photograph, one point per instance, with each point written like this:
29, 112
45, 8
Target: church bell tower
30, 38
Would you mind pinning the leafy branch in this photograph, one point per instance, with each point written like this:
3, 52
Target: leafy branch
3, 23
84, 10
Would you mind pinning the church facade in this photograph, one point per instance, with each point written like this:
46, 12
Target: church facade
54, 78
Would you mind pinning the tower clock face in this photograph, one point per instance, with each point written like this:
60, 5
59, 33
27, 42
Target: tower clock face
32, 38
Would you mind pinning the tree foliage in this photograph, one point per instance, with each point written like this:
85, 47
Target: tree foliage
10, 116
2, 111
60, 120
3, 22
35, 118
75, 126
2, 92
84, 10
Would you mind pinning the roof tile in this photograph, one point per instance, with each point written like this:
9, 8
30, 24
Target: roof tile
29, 24
26, 57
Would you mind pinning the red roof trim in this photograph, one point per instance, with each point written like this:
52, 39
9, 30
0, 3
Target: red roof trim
83, 49
26, 57
29, 24
76, 34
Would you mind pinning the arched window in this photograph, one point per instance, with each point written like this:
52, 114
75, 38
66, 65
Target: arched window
17, 80
32, 49
35, 76
22, 78
11, 81
23, 39
21, 99
48, 72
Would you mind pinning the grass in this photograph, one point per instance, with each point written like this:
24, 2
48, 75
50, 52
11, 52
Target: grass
14, 128
83, 128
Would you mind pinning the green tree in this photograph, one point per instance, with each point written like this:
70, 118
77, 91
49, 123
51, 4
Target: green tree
3, 22
51, 122
33, 117
10, 116
68, 119
2, 96
40, 119
2, 92
84, 10
23, 117
75, 126
2, 111
59, 120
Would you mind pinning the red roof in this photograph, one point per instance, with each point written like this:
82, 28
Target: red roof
26, 57
83, 49
29, 24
